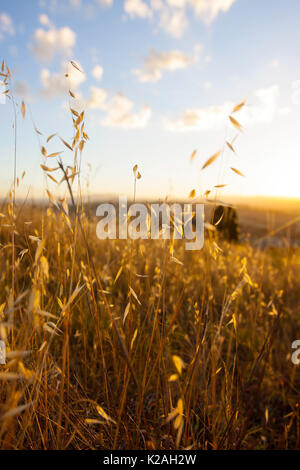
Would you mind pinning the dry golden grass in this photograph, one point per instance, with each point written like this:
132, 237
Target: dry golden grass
115, 345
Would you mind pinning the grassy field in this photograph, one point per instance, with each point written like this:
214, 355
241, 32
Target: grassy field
106, 340
141, 344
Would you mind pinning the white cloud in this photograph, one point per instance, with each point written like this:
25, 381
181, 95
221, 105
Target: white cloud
97, 99
265, 105
48, 44
177, 3
105, 3
120, 113
97, 72
208, 10
44, 20
268, 96
173, 21
117, 112
58, 84
156, 62
262, 107
6, 25
137, 8
200, 119
171, 15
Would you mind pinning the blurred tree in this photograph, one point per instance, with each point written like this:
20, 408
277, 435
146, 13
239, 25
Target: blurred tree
225, 220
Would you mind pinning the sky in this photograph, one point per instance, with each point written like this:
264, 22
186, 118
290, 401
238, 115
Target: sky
159, 80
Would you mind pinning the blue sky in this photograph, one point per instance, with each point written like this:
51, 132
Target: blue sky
160, 78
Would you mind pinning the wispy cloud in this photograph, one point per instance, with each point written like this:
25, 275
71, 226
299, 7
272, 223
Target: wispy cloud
120, 113
265, 105
200, 119
44, 20
57, 84
97, 98
51, 42
171, 15
97, 72
158, 62
137, 8
262, 108
117, 111
6, 25
208, 10
105, 3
